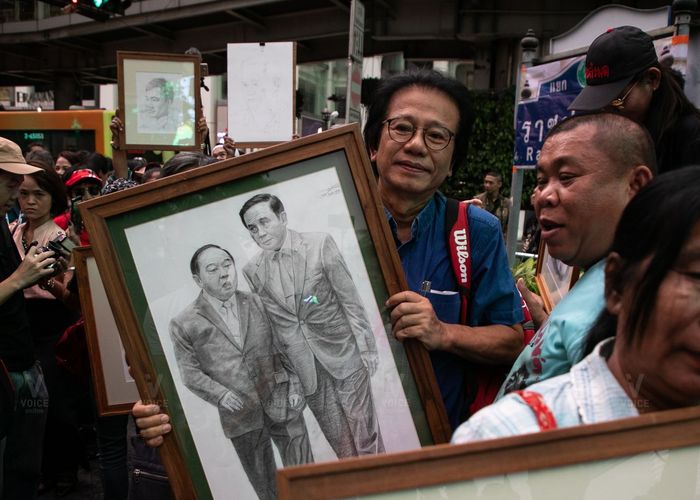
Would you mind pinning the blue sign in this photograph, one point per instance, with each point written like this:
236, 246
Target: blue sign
543, 103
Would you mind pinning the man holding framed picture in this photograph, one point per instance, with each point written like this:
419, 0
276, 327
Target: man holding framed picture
417, 131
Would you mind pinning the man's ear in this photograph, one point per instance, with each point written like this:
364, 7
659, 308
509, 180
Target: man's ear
639, 177
373, 154
283, 217
613, 290
197, 280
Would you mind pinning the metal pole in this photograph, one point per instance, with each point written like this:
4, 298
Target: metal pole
529, 45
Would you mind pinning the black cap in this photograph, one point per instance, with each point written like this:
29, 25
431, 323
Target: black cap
612, 62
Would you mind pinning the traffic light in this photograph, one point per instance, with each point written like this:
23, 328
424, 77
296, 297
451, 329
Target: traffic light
112, 6
100, 10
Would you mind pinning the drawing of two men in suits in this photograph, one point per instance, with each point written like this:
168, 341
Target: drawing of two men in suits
226, 353
302, 338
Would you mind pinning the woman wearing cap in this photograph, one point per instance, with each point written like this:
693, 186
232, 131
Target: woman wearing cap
623, 74
42, 196
82, 185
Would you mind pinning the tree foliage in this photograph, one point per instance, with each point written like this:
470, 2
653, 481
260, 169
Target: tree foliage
490, 148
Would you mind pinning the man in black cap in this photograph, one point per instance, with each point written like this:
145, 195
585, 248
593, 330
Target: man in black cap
623, 74
20, 448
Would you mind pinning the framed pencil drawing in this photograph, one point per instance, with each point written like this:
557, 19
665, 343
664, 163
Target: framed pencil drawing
642, 457
252, 296
115, 389
160, 100
261, 92
554, 278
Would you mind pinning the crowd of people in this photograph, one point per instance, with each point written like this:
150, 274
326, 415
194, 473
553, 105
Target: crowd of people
616, 195
50, 423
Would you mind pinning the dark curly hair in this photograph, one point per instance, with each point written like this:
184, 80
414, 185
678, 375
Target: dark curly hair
427, 79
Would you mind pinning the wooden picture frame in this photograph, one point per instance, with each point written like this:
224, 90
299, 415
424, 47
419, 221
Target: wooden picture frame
554, 278
159, 98
115, 390
444, 471
144, 238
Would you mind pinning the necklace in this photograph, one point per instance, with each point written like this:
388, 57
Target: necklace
25, 245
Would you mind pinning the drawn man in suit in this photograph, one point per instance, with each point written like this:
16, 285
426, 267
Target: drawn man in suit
315, 309
227, 355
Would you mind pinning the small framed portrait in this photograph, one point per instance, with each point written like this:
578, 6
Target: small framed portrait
160, 100
554, 278
250, 294
115, 388
641, 457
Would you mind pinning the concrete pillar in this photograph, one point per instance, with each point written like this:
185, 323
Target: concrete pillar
66, 91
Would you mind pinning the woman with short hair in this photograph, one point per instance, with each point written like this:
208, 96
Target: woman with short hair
41, 197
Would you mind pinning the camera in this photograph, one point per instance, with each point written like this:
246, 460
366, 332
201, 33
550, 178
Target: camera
61, 245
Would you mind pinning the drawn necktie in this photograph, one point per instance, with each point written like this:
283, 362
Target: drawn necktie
231, 321
285, 267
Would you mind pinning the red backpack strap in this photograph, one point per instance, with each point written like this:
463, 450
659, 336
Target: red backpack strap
545, 417
528, 324
484, 381
457, 230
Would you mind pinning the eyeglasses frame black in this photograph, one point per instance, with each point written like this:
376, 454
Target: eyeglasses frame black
415, 129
